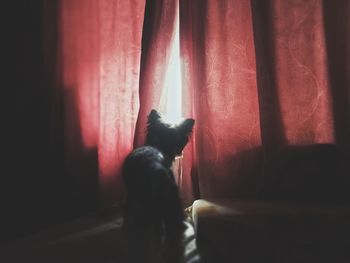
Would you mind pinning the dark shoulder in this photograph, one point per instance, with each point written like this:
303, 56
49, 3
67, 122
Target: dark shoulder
143, 157
143, 162
146, 152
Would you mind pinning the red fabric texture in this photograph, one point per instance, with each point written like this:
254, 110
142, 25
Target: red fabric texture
157, 38
262, 75
257, 76
219, 66
157, 42
100, 52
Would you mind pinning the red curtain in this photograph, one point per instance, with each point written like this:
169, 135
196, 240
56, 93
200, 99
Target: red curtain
114, 57
100, 48
159, 33
219, 66
257, 75
261, 75
157, 41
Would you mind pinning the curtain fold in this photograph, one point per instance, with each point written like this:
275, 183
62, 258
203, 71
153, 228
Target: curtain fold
262, 75
115, 55
299, 88
157, 39
157, 58
256, 76
219, 67
336, 23
100, 50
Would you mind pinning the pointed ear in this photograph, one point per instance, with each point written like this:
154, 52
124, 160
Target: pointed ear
187, 126
153, 117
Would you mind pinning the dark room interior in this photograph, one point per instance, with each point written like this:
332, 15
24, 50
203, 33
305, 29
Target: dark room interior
265, 176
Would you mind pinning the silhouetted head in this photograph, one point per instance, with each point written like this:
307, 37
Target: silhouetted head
169, 139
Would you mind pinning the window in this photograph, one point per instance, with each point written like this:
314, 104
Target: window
172, 97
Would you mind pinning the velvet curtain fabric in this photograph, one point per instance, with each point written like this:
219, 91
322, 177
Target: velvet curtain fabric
262, 75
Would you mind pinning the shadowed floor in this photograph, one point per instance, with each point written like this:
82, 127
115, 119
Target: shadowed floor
92, 239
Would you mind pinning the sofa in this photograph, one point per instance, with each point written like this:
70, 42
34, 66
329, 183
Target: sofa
300, 213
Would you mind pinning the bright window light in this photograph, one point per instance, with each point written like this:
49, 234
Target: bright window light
173, 95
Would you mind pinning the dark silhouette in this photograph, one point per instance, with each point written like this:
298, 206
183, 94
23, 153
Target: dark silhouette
153, 217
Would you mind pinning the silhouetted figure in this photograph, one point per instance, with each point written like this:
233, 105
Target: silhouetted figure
153, 217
